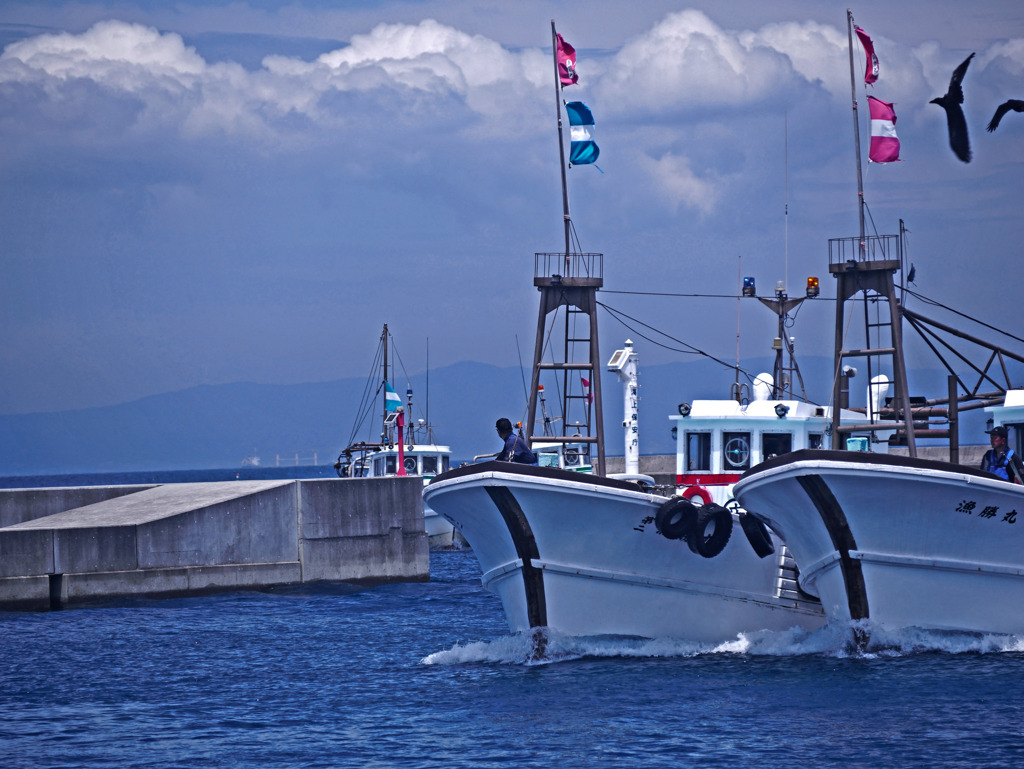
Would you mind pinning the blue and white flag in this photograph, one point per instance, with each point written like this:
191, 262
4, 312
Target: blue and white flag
582, 148
391, 399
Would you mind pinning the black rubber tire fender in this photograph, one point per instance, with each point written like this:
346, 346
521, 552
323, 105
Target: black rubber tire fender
757, 535
676, 518
712, 531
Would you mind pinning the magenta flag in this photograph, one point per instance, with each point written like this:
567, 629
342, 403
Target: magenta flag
885, 145
566, 62
871, 73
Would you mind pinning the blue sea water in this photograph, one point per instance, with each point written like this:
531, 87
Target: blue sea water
427, 675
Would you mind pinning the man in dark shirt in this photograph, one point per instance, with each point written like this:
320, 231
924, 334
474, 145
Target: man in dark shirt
1000, 460
515, 448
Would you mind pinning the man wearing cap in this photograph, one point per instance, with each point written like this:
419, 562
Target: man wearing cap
1001, 461
515, 448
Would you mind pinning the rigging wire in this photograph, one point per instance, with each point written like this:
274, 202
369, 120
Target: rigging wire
367, 400
691, 351
935, 303
835, 373
522, 371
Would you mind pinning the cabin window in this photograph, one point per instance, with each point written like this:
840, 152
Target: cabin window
378, 466
444, 464
390, 464
774, 444
814, 441
698, 452
735, 452
429, 465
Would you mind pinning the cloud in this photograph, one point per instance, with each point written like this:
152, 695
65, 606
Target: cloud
416, 71
124, 56
816, 52
686, 61
679, 185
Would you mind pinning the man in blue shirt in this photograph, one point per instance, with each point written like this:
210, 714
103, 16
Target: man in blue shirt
1001, 461
515, 448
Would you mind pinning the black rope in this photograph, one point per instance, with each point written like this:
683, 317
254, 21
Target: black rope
691, 351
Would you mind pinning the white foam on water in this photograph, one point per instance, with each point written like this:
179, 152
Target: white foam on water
830, 641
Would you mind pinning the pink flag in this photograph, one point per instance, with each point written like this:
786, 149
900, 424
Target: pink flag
885, 145
566, 62
871, 73
586, 389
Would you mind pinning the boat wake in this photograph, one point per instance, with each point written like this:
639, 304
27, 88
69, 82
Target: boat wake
837, 642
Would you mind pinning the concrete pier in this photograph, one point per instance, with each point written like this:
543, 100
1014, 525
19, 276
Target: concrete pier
61, 547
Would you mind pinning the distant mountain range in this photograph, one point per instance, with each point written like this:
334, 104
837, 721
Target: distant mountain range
219, 426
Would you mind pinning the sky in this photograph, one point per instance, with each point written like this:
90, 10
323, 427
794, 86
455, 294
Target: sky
199, 193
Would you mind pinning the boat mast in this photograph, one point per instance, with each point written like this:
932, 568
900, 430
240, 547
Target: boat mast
571, 280
867, 266
384, 394
561, 147
856, 135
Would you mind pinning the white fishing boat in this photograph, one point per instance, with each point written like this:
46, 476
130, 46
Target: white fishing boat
897, 541
406, 447
583, 554
588, 554
901, 541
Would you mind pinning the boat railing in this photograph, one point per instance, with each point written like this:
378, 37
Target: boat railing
875, 248
573, 267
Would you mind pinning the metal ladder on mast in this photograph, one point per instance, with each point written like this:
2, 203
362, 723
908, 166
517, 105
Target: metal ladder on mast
570, 280
867, 267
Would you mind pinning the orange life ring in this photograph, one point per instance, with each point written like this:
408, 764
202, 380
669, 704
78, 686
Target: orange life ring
697, 491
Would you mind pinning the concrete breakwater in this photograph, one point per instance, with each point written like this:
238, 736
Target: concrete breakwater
64, 546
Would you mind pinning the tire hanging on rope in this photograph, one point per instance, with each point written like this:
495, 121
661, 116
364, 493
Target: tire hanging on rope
711, 533
757, 535
676, 518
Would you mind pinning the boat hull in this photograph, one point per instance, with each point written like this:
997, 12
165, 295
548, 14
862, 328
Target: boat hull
898, 541
440, 532
581, 555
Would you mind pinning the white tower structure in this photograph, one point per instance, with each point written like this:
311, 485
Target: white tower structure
623, 363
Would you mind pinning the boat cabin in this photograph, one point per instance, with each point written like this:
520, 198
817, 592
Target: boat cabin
719, 440
567, 456
1011, 416
376, 461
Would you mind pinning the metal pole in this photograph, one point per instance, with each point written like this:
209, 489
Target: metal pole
538, 352
384, 429
901, 368
595, 385
954, 421
561, 148
856, 135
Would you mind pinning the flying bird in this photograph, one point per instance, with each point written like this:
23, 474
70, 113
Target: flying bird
1015, 104
954, 97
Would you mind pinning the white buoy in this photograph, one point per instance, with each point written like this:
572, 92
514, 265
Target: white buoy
878, 390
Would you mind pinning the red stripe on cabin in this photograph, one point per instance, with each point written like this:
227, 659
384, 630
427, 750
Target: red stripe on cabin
710, 479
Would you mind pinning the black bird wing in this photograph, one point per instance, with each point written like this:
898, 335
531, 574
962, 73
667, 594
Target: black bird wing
1015, 104
956, 91
959, 139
